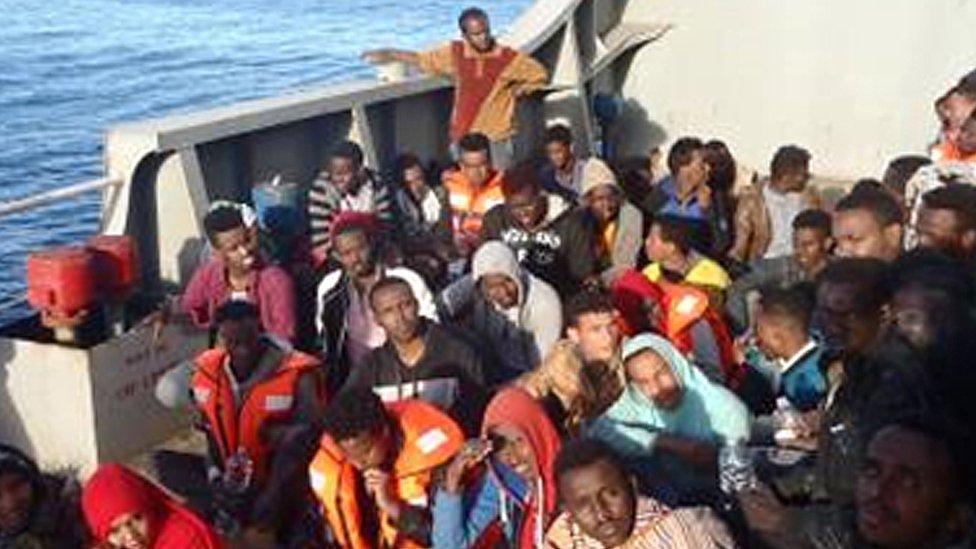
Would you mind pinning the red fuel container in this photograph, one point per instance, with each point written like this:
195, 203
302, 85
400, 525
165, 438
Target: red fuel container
61, 282
116, 264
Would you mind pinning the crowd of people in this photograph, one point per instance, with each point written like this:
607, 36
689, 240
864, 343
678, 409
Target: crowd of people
562, 351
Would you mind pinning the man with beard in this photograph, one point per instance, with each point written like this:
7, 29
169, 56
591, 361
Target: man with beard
347, 327
603, 510
913, 489
947, 221
420, 359
488, 78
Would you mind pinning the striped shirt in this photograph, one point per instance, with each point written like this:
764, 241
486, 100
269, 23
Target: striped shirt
656, 526
326, 201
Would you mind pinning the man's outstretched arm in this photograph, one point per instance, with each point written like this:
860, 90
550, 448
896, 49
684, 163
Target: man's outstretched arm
390, 55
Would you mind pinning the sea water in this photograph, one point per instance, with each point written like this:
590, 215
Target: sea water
71, 68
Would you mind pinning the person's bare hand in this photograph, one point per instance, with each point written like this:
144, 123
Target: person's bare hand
377, 56
704, 196
378, 486
739, 347
806, 430
468, 457
763, 510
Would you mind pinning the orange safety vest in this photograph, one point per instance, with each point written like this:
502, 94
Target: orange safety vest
430, 439
683, 306
469, 204
271, 400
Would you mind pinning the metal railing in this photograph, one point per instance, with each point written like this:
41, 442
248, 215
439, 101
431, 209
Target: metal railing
17, 205
11, 301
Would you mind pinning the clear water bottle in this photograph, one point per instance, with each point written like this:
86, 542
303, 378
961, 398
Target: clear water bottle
736, 471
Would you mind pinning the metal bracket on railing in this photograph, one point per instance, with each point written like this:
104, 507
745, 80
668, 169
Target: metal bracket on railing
8, 207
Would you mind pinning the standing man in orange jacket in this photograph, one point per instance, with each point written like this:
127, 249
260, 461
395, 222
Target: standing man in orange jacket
258, 400
488, 78
372, 473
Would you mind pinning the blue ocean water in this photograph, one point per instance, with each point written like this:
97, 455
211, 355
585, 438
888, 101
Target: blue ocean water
71, 68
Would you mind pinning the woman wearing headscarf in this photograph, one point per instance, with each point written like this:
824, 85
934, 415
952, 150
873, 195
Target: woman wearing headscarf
500, 491
670, 416
37, 511
126, 511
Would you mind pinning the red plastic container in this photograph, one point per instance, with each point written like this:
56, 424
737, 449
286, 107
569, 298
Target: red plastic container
61, 282
117, 265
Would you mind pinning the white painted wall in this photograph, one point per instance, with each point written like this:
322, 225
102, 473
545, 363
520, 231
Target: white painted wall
851, 80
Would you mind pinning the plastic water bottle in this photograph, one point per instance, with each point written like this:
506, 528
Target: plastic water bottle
736, 471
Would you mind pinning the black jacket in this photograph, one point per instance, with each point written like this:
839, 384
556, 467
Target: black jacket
560, 251
449, 375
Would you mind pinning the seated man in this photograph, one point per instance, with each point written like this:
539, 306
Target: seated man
424, 229
811, 252
346, 325
684, 316
582, 375
563, 173
765, 213
372, 473
617, 225
602, 509
956, 169
869, 224
852, 297
669, 248
473, 188
900, 171
256, 400
671, 418
783, 337
947, 221
420, 358
550, 237
913, 489
40, 509
514, 316
236, 271
345, 185
685, 194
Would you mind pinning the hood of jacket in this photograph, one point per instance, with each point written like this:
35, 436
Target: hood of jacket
496, 258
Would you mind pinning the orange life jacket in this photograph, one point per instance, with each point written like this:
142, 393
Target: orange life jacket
469, 204
948, 151
683, 306
429, 439
271, 400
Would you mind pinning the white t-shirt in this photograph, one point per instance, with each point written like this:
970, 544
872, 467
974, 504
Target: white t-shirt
782, 208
